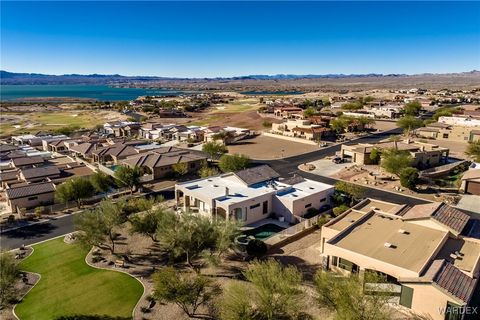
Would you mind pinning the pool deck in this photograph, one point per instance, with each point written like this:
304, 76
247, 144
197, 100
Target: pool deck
260, 223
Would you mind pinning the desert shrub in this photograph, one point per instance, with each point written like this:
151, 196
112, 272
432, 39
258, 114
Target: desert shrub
256, 248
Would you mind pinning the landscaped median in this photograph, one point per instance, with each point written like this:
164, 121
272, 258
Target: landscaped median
68, 286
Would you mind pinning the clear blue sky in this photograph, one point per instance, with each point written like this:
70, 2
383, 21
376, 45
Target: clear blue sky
208, 39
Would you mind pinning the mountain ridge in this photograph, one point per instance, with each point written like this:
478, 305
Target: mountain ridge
7, 77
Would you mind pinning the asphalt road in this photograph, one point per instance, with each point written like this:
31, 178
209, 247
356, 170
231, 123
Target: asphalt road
49, 229
286, 167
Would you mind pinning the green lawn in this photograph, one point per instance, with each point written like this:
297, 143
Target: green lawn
69, 286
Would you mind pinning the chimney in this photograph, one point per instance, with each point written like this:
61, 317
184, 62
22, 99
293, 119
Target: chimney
227, 191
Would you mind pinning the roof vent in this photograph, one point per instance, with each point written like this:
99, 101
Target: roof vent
453, 256
351, 220
403, 231
388, 245
374, 208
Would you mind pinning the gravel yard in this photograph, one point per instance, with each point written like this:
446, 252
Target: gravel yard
268, 148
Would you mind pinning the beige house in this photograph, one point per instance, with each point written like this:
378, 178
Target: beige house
426, 253
471, 182
444, 131
158, 163
300, 128
423, 154
30, 196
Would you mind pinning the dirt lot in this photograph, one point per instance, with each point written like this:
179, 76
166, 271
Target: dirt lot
267, 148
385, 125
246, 119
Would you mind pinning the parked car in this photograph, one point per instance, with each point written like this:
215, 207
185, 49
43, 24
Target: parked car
337, 160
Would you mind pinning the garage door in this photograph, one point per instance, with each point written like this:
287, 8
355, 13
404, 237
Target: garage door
473, 187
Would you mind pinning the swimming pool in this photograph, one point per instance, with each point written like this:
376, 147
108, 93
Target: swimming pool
264, 231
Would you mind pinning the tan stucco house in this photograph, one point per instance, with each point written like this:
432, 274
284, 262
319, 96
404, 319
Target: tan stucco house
429, 253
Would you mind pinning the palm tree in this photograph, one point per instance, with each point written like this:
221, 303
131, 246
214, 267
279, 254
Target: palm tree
395, 140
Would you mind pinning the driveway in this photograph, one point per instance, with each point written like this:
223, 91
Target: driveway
325, 167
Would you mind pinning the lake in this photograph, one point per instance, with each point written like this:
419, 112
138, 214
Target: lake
96, 92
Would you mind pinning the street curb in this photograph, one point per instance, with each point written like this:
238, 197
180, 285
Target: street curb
21, 298
370, 187
37, 222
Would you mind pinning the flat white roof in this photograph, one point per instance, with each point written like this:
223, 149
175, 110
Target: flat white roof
216, 188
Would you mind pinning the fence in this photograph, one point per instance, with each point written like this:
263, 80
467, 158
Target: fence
301, 226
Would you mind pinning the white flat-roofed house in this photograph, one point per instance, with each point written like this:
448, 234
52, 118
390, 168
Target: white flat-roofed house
252, 195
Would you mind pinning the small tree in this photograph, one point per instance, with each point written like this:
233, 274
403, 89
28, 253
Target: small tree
180, 168
98, 227
128, 177
409, 178
267, 124
354, 191
188, 291
412, 108
101, 182
76, 189
8, 277
275, 293
473, 150
339, 125
395, 139
206, 172
394, 161
409, 123
375, 156
346, 296
191, 237
147, 224
309, 112
214, 149
235, 162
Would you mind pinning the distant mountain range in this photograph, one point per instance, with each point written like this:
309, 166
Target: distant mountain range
38, 78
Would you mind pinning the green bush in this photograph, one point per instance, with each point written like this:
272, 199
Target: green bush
256, 248
409, 178
340, 209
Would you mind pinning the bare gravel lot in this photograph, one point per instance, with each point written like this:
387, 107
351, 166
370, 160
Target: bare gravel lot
268, 148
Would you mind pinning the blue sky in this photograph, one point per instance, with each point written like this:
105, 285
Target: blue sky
209, 39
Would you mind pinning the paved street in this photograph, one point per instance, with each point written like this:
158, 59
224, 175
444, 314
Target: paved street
47, 230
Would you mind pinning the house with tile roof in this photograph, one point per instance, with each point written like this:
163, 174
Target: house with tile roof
30, 196
428, 254
159, 163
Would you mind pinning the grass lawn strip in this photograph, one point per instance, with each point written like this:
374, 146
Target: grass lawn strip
69, 286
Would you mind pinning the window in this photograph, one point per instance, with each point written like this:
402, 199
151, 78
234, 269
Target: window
453, 311
334, 261
239, 215
265, 207
308, 205
32, 198
254, 206
345, 264
323, 199
406, 297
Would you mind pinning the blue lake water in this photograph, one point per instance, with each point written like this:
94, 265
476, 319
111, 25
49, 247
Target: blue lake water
97, 92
